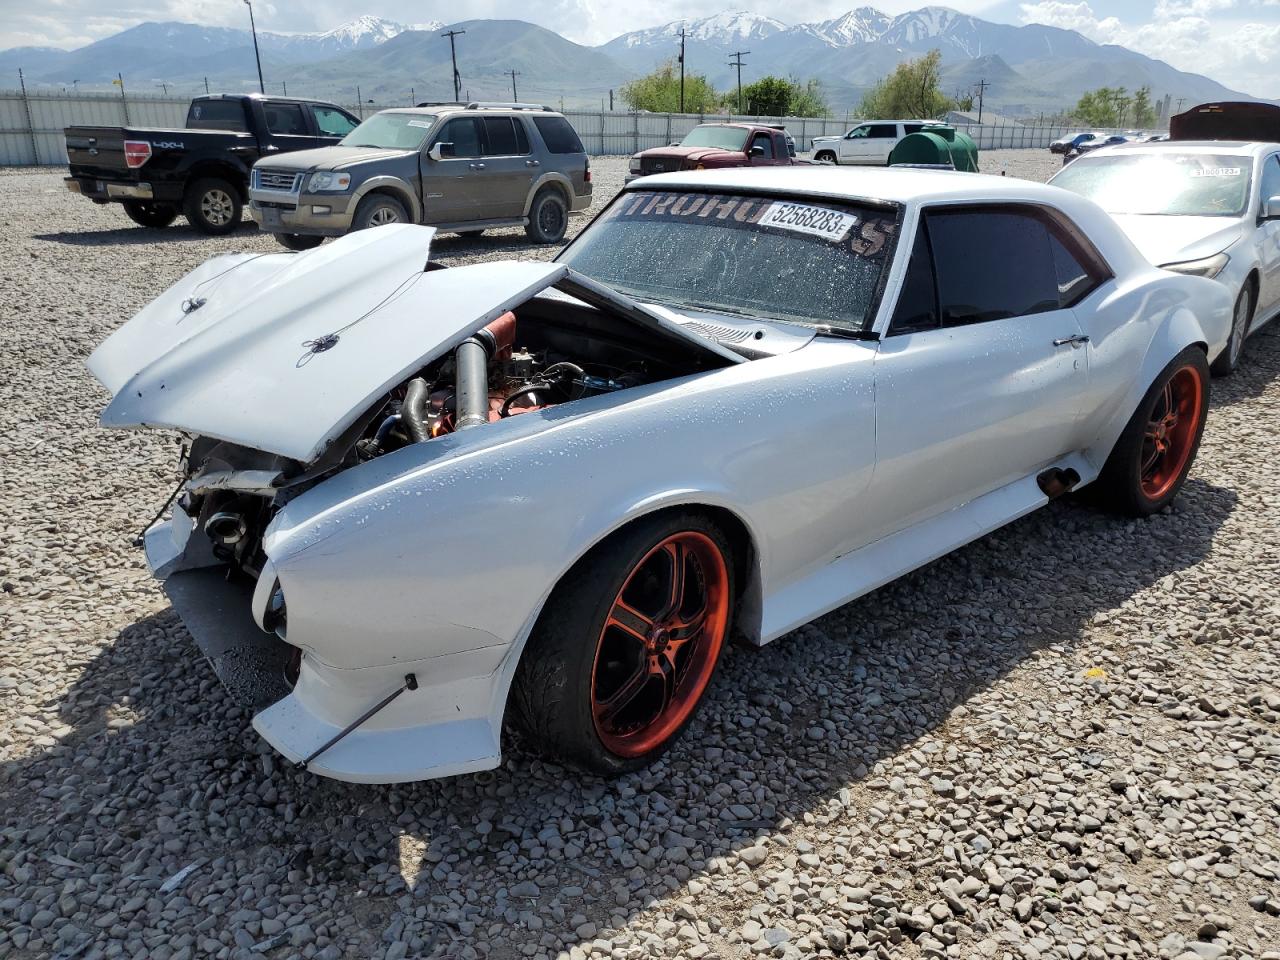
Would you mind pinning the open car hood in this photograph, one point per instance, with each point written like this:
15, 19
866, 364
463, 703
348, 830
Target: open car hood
283, 352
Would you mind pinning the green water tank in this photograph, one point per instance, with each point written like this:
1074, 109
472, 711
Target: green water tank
937, 145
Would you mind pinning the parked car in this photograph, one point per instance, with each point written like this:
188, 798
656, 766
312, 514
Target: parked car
202, 169
1208, 208
867, 143
462, 168
436, 499
1070, 142
718, 145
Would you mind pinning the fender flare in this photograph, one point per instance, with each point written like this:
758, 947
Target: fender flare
387, 184
1180, 330
551, 178
748, 615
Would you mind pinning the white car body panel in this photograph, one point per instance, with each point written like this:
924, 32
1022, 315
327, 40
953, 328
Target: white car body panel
865, 150
845, 464
1252, 244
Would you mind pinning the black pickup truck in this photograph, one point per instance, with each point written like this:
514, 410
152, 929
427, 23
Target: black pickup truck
201, 170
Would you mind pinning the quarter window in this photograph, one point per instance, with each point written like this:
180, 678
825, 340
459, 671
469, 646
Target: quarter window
558, 135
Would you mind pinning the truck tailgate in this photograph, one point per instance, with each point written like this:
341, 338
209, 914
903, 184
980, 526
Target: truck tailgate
96, 151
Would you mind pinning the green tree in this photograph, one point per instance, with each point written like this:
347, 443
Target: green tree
776, 97
1097, 108
1144, 114
910, 91
659, 92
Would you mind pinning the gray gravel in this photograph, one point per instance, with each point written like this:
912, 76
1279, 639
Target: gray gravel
1058, 742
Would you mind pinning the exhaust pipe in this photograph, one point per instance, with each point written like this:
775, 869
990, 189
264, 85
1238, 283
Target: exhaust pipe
226, 528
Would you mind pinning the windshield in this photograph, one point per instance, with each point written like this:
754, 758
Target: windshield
723, 138
797, 260
391, 131
1162, 184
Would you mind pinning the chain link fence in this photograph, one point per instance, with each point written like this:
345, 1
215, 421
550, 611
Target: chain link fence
31, 125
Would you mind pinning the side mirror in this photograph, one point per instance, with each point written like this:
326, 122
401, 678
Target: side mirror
757, 151
674, 143
439, 151
1271, 208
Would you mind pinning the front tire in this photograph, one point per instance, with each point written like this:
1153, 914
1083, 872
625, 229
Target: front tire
212, 206
298, 241
378, 210
627, 645
1241, 318
548, 217
1154, 454
145, 213
826, 156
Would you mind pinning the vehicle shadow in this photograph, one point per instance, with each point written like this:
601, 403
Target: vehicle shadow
874, 677
130, 235
1257, 370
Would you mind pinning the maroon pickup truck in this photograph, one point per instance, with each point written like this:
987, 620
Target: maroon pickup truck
719, 145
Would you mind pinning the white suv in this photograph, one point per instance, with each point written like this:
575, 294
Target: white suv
867, 143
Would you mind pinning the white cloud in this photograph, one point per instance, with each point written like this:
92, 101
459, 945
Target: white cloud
1192, 35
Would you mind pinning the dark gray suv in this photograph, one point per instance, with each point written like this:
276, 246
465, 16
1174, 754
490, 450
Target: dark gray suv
457, 167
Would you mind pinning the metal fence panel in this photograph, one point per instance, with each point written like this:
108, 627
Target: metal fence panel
602, 133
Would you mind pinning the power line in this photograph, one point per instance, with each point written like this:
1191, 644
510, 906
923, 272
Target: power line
453, 53
737, 62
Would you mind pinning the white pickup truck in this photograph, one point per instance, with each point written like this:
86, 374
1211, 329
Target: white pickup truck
867, 143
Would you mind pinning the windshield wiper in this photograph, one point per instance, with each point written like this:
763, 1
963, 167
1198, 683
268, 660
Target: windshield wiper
824, 330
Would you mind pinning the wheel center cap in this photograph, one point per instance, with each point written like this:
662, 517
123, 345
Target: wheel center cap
659, 639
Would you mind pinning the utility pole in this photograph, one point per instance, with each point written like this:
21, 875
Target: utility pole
262, 88
453, 54
610, 101
284, 87
164, 87
515, 98
31, 124
119, 80
737, 62
359, 102
982, 90
1181, 101
681, 70
413, 98
206, 84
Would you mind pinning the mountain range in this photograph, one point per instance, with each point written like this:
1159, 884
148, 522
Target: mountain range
1029, 69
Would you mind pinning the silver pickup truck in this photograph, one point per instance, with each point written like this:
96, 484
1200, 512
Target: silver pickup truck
457, 167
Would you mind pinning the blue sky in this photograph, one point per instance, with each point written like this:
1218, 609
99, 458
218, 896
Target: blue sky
1234, 41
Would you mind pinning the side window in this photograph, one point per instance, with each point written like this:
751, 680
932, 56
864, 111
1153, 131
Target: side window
332, 123
917, 307
857, 133
522, 135
991, 265
285, 119
883, 131
558, 135
500, 136
1077, 273
912, 127
764, 142
1270, 186
464, 134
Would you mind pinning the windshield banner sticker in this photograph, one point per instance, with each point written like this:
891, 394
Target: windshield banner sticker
831, 224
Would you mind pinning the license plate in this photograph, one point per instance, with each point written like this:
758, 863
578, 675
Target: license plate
270, 217
73, 186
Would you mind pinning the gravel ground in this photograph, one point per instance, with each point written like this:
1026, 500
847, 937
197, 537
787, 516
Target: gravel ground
1058, 742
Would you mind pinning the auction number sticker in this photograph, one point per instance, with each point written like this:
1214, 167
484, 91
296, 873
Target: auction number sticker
1216, 172
420, 123
822, 222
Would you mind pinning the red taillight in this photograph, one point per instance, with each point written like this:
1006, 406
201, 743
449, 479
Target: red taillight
588, 176
136, 153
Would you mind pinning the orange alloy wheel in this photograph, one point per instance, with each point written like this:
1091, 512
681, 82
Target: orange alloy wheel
1170, 435
660, 643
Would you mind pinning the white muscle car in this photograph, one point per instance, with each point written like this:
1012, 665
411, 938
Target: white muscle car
419, 500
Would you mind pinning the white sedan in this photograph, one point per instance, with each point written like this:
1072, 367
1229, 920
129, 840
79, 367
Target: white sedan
1209, 208
421, 501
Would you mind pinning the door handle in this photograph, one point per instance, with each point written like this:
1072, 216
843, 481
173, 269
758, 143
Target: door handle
1076, 340
533, 163
477, 166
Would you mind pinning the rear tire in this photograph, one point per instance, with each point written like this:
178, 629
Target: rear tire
1154, 454
378, 210
548, 217
1241, 319
298, 241
146, 213
212, 206
620, 658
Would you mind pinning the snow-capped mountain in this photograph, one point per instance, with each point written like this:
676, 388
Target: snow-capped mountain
940, 25
864, 25
359, 34
732, 27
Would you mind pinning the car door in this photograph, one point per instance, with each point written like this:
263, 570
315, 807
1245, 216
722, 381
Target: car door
451, 193
879, 143
766, 155
331, 124
849, 146
982, 371
290, 126
507, 170
1268, 239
